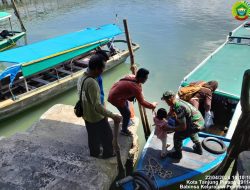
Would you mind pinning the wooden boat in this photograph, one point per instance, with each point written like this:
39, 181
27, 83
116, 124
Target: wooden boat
226, 65
8, 38
45, 69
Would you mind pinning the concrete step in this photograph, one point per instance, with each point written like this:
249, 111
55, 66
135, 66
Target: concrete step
54, 155
44, 146
33, 171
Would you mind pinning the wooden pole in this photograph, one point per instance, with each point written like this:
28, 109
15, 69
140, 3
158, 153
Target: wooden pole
142, 110
132, 61
145, 130
146, 120
17, 15
26, 85
120, 166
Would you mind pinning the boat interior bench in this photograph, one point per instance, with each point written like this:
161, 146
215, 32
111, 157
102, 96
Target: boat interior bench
40, 80
51, 75
77, 67
30, 87
82, 63
6, 94
64, 71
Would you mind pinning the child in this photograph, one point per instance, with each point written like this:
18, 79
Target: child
161, 123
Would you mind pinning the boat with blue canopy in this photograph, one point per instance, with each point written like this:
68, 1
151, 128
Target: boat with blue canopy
8, 38
227, 66
36, 72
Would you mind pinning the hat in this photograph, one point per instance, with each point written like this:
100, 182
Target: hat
167, 94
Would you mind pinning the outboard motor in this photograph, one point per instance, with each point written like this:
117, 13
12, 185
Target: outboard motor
5, 34
139, 181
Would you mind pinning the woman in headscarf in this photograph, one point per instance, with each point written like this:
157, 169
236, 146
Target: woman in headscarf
204, 95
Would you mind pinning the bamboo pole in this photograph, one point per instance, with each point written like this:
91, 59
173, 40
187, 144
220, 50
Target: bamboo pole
142, 110
132, 61
146, 120
17, 15
146, 133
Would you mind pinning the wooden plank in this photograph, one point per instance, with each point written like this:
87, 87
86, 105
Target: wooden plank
40, 80
64, 71
76, 67
29, 86
83, 63
51, 75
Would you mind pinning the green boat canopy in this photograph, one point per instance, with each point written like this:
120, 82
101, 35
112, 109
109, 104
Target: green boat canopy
4, 15
226, 66
42, 55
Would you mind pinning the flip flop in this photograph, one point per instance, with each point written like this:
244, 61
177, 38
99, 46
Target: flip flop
163, 155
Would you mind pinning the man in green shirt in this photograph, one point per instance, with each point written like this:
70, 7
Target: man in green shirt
188, 122
94, 113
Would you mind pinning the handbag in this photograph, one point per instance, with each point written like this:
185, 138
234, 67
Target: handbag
78, 109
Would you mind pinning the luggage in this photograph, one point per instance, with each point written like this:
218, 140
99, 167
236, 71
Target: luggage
187, 92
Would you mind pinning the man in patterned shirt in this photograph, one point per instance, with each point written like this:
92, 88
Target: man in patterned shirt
188, 122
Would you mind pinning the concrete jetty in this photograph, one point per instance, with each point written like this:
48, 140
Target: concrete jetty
53, 154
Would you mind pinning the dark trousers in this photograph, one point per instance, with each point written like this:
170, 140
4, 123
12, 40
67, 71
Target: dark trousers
100, 133
125, 112
181, 135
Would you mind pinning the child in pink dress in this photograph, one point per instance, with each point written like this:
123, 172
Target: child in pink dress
161, 125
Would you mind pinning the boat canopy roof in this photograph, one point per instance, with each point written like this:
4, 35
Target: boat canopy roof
4, 15
227, 66
36, 51
39, 56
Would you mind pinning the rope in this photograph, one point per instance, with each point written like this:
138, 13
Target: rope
154, 168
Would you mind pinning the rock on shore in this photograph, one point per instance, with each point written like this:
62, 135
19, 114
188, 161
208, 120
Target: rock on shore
53, 154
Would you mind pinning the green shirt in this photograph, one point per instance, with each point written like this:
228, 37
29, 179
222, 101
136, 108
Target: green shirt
187, 112
93, 110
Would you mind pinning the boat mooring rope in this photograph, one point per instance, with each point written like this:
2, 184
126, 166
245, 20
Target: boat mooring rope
154, 168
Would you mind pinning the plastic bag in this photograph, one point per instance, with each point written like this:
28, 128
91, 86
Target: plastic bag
209, 119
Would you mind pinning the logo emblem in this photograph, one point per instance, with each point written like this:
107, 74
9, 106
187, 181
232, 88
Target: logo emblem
241, 10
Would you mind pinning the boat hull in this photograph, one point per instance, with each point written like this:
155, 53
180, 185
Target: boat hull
197, 182
29, 99
10, 41
196, 171
170, 173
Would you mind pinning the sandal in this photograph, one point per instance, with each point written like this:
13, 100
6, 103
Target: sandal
163, 155
126, 133
108, 156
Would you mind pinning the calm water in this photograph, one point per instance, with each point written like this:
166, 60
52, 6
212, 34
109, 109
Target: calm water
175, 36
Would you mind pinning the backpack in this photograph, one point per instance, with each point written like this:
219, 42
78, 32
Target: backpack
187, 92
